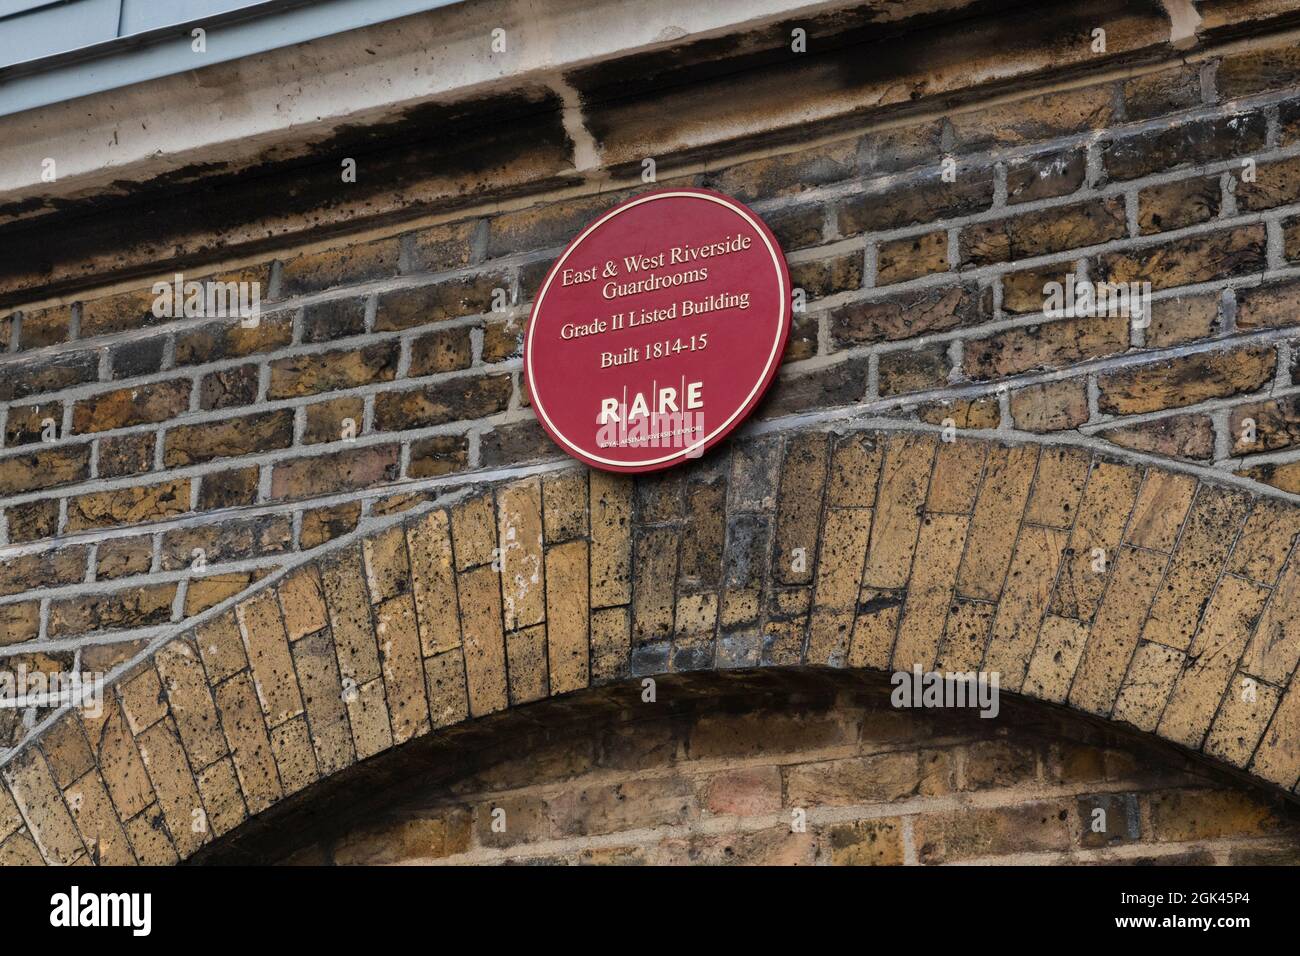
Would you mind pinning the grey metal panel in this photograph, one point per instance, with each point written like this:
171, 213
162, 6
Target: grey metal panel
139, 16
50, 30
122, 62
9, 7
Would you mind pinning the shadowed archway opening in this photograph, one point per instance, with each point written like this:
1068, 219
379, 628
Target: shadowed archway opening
783, 765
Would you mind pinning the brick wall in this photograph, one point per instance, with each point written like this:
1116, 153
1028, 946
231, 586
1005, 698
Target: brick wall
799, 775
154, 471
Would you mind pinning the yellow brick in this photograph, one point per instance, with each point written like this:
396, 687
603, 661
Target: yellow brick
149, 840
294, 757
1213, 523
302, 603
904, 485
178, 795
1058, 486
191, 702
36, 793
998, 510
97, 822
368, 715
1145, 690
519, 534
268, 656
1024, 601
445, 678
564, 504
322, 692
245, 730
1107, 501
483, 639
830, 633
1215, 651
1266, 541
221, 647
219, 788
1060, 645
1242, 719
399, 647
433, 582
1161, 506
566, 616
388, 572
798, 517
350, 617
1275, 649
656, 574
142, 698
938, 553
966, 635
67, 751
958, 466
526, 657
874, 628
1278, 756
611, 539
845, 536
611, 639
855, 469
119, 760
473, 531
1116, 629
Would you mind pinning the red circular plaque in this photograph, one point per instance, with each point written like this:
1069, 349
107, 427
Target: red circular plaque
658, 330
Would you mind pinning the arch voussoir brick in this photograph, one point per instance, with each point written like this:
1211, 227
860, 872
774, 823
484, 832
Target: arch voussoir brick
1118, 587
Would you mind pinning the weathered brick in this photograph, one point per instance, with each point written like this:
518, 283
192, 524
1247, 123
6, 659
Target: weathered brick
998, 509
904, 486
1205, 257
140, 503
1108, 499
333, 267
219, 787
902, 316
333, 319
1045, 176
803, 481
118, 759
1177, 205
655, 560
133, 607
1241, 721
899, 260
822, 277
47, 468
1043, 232
958, 466
50, 568
20, 622
407, 308
123, 455
519, 533
483, 639
939, 548
320, 525
445, 350
1161, 506
1050, 406
251, 434
97, 822
337, 420
331, 474
1182, 319
1024, 601
250, 748
67, 751
229, 387
1191, 142
444, 402
1051, 345
1185, 380
1212, 659
1057, 487
923, 199
328, 371
226, 340
1265, 541
50, 374
178, 795
190, 701
262, 626
1178, 436
137, 405
28, 424
914, 370
399, 653
1154, 94
38, 796
1146, 686
974, 833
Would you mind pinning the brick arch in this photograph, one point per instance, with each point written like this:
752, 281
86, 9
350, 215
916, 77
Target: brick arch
1128, 591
